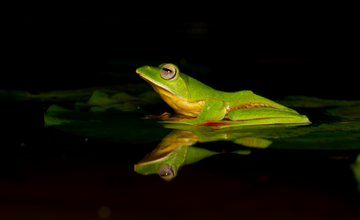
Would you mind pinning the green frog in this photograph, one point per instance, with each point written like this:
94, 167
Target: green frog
204, 105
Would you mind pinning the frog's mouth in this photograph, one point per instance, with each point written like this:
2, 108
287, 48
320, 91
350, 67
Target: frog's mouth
154, 83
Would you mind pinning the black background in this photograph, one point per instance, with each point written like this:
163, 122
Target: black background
274, 50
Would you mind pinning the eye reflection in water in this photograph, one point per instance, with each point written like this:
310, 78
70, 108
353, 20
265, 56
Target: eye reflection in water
166, 172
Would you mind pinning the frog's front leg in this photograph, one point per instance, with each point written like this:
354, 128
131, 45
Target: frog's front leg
258, 116
212, 110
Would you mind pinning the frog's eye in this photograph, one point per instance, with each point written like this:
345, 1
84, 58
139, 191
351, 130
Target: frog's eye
168, 71
166, 171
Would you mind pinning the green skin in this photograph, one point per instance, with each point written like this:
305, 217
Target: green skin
216, 105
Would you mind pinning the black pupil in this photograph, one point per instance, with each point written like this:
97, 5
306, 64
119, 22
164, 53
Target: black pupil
167, 70
165, 174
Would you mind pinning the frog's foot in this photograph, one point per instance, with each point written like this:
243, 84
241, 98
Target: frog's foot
181, 120
165, 115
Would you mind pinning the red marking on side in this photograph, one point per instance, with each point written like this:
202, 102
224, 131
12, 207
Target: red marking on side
215, 123
251, 105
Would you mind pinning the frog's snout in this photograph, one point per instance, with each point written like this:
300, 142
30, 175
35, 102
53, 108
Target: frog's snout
138, 70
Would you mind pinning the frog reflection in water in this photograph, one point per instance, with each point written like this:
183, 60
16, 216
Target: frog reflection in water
207, 106
176, 150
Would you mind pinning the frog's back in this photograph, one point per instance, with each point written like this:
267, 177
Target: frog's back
197, 91
248, 99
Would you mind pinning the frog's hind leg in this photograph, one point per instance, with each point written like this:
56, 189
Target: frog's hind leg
257, 116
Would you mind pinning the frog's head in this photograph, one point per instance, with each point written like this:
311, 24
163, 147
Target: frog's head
165, 77
166, 167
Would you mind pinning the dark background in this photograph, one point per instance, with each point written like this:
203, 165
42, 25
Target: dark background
274, 50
